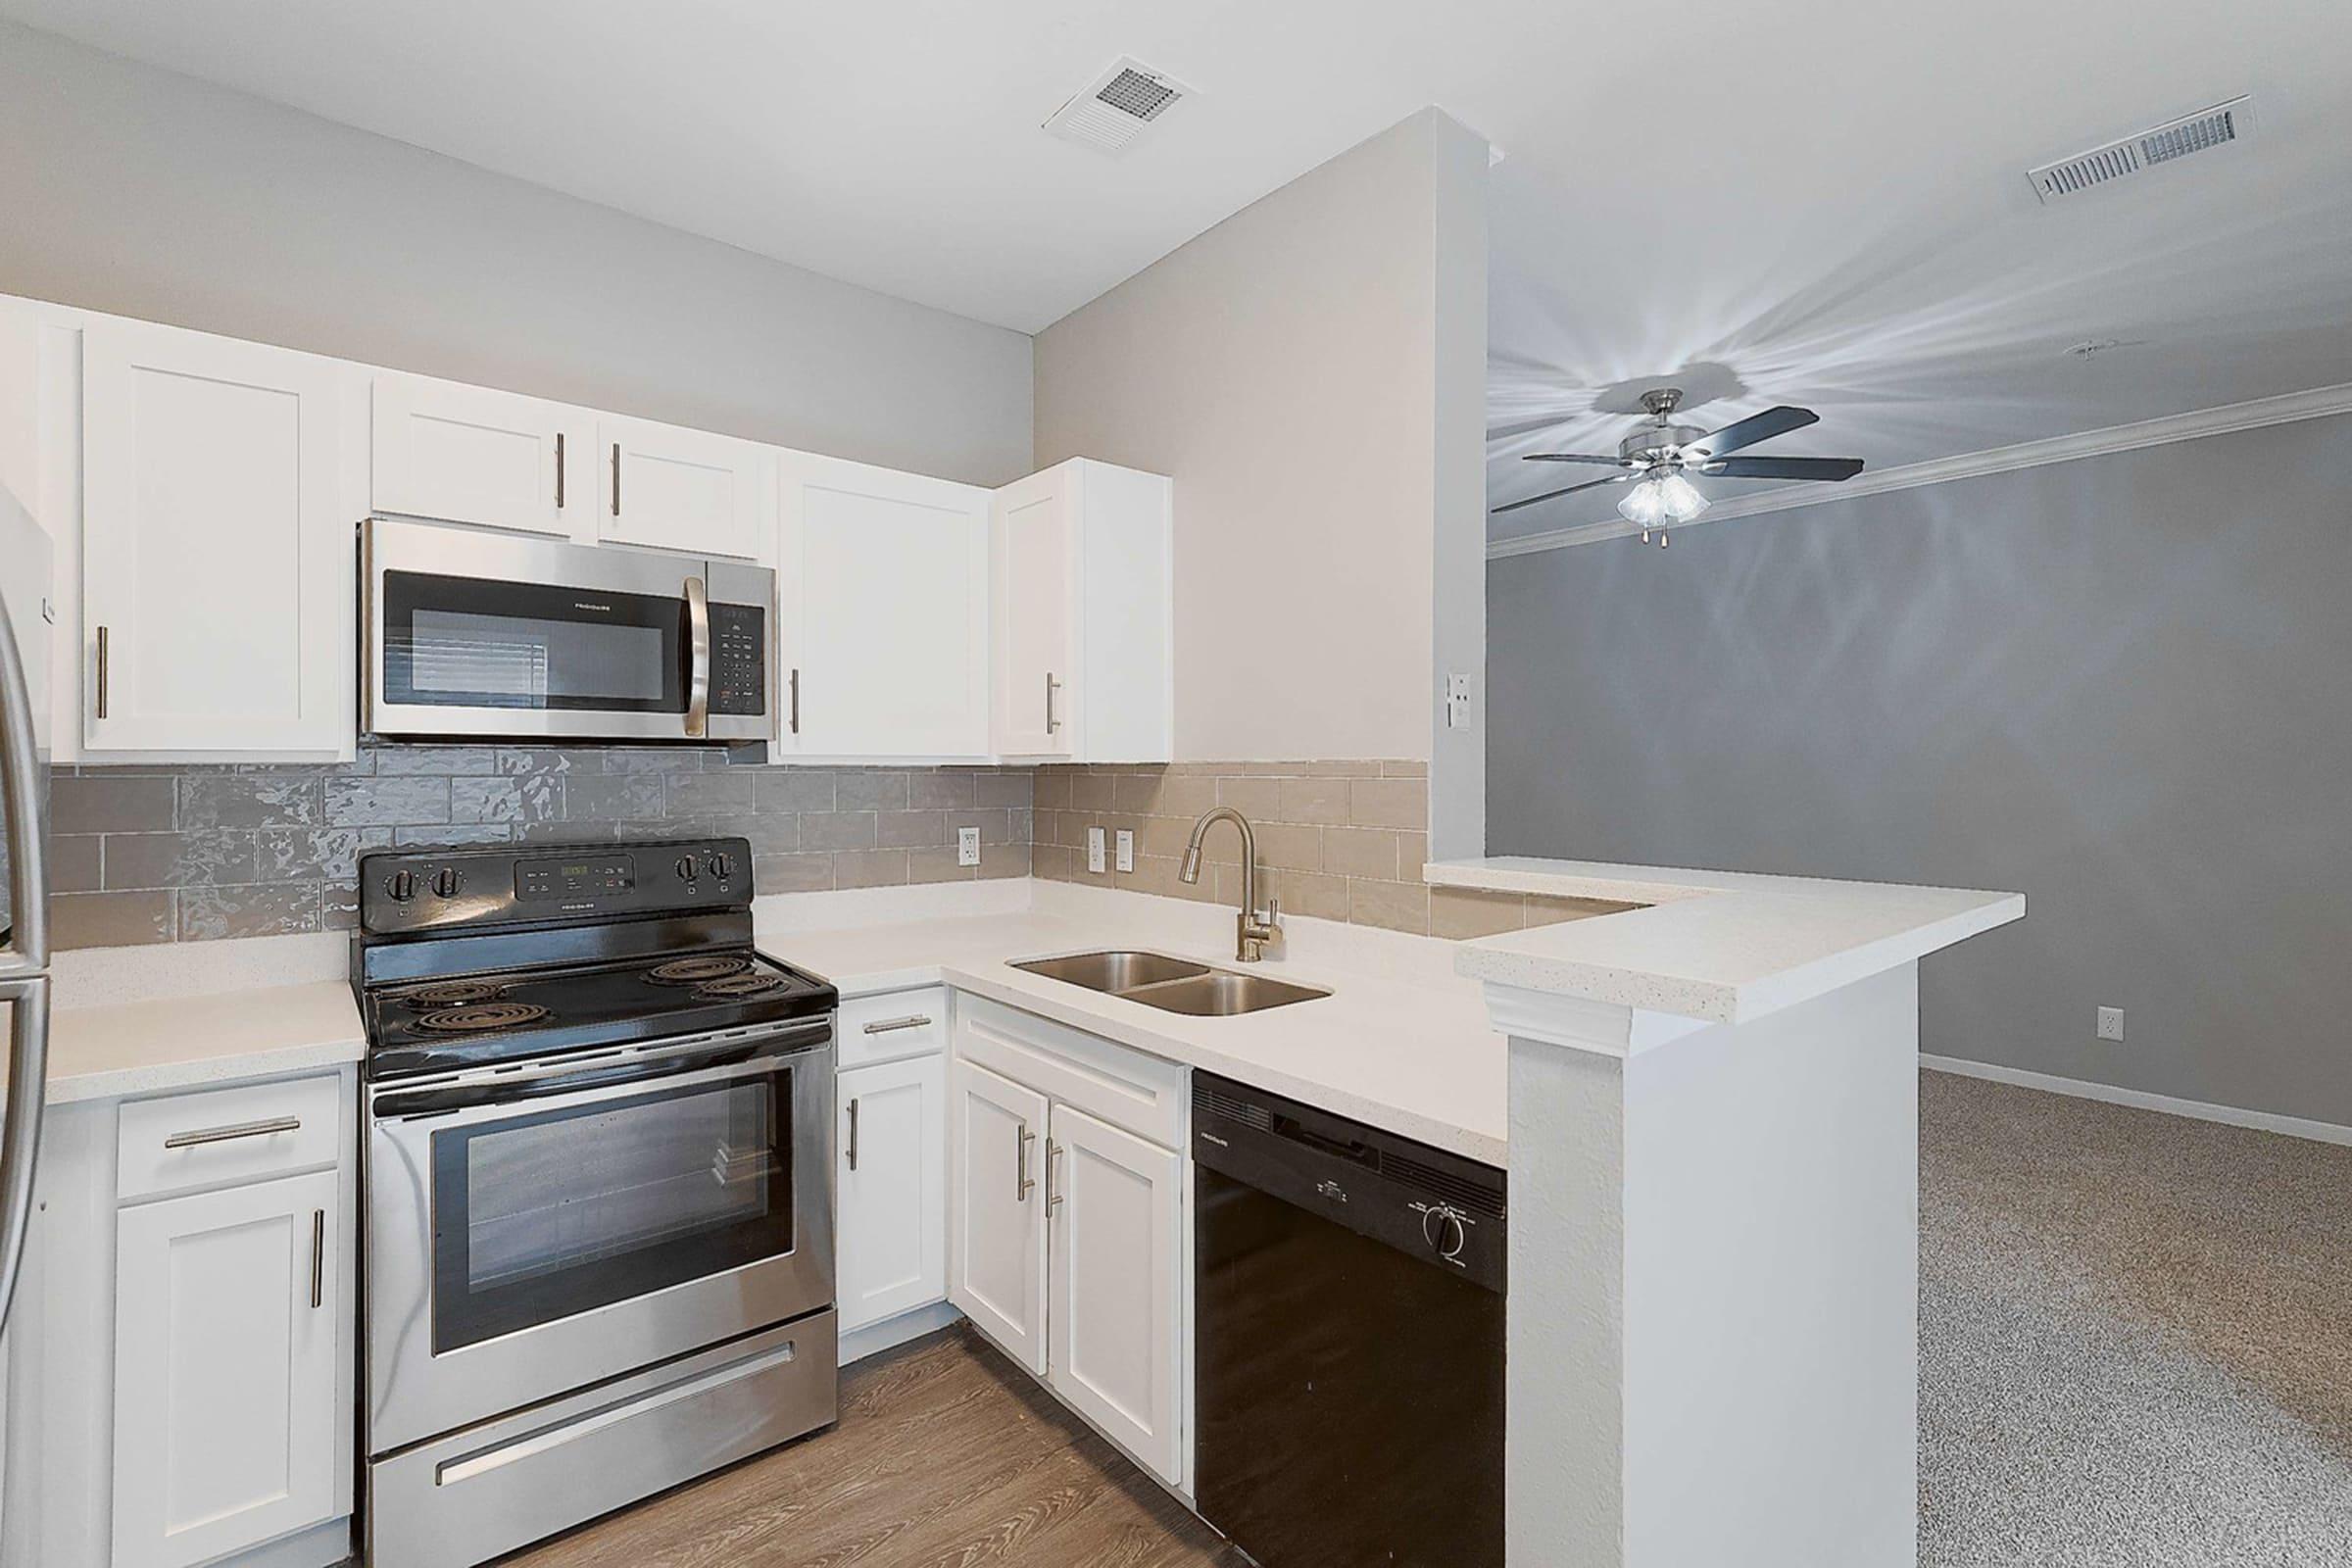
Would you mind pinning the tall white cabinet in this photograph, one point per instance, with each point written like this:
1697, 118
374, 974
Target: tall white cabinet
217, 558
883, 578
1081, 576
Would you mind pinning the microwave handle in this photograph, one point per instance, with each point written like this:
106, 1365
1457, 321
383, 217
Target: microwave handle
698, 659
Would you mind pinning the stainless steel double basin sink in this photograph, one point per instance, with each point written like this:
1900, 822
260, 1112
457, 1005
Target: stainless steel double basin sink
1172, 985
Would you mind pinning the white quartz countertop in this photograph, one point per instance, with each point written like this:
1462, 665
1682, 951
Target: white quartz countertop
136, 1047
1722, 946
1403, 1046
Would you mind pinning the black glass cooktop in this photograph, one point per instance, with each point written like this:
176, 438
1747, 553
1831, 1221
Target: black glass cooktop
469, 1020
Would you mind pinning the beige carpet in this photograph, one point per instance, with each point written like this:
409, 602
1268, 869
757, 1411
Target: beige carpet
2136, 1338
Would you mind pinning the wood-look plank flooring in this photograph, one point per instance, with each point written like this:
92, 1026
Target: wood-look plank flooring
945, 1456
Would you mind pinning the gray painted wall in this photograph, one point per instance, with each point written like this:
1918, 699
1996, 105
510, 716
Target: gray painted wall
153, 195
2121, 685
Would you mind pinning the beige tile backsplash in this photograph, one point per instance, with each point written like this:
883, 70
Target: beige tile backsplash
1336, 841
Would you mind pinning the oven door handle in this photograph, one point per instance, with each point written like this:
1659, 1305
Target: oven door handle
509, 1088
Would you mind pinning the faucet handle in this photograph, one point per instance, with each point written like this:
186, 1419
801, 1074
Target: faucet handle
1273, 911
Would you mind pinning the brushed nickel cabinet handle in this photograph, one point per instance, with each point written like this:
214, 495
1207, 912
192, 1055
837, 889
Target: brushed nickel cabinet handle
796, 699
1021, 1184
852, 1133
1051, 686
617, 478
243, 1129
101, 661
884, 1026
558, 470
318, 1258
1052, 1159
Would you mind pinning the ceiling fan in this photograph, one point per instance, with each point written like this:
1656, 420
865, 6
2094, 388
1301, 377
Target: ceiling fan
1660, 457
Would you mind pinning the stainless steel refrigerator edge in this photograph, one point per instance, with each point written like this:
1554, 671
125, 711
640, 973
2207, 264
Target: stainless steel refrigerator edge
24, 557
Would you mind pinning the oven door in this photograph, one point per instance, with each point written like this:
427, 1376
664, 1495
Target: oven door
532, 1231
470, 633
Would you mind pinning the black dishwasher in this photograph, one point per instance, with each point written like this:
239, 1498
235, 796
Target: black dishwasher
1349, 1338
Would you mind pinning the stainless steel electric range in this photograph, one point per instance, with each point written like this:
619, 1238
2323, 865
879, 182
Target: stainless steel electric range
600, 1220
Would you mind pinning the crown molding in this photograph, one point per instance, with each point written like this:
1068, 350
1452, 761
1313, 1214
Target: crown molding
2193, 425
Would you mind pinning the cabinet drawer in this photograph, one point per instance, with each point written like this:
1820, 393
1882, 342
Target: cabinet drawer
1128, 1089
892, 1026
228, 1135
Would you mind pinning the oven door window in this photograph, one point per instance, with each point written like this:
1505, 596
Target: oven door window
539, 1216
467, 642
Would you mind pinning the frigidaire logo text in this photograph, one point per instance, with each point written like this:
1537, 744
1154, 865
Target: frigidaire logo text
607, 609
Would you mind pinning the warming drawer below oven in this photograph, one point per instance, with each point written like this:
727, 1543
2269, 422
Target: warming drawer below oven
477, 1493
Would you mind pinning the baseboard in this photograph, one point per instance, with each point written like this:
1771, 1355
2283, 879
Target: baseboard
890, 1332
2318, 1132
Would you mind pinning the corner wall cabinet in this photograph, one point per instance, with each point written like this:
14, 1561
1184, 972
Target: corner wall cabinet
1066, 1219
884, 582
1081, 570
217, 556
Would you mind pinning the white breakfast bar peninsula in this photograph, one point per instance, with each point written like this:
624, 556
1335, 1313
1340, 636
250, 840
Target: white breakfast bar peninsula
1714, 1177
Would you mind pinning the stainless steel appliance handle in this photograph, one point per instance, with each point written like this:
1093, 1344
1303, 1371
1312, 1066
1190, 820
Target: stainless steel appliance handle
737, 1060
1021, 1184
318, 1258
28, 949
852, 1132
20, 1142
698, 659
885, 1026
243, 1129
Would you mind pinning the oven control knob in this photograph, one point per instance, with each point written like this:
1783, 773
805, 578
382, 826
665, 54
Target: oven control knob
722, 867
447, 882
402, 885
686, 869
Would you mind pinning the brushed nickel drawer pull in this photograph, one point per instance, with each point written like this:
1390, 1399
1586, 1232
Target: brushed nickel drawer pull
318, 1258
243, 1129
884, 1026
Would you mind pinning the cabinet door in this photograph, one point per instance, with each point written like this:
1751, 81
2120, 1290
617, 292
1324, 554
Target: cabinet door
884, 579
893, 1190
225, 1370
216, 530
1117, 1218
681, 489
1032, 545
997, 1219
465, 454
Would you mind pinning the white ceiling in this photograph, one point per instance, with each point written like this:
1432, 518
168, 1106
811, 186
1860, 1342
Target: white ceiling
1816, 202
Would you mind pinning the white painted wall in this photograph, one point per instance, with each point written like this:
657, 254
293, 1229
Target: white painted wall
1285, 369
150, 194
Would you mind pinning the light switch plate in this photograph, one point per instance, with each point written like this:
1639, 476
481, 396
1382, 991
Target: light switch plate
1126, 850
967, 846
1094, 850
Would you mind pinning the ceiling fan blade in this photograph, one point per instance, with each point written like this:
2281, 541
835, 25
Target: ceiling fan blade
1832, 469
1754, 429
1573, 457
1555, 495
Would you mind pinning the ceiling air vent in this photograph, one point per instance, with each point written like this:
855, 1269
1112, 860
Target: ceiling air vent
1113, 111
2130, 155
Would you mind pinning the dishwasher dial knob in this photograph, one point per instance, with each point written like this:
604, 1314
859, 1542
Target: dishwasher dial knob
722, 867
402, 886
686, 869
1446, 1229
447, 882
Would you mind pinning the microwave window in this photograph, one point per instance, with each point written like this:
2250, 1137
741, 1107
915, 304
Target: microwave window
469, 642
504, 661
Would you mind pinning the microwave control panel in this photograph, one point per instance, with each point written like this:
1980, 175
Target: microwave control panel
738, 658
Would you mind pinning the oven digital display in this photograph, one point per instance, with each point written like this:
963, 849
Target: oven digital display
575, 880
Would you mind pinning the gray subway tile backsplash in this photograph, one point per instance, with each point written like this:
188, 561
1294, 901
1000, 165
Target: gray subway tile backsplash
202, 852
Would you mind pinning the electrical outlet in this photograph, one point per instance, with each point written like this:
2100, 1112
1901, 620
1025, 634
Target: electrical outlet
1126, 850
967, 846
1094, 850
2111, 1023
1458, 702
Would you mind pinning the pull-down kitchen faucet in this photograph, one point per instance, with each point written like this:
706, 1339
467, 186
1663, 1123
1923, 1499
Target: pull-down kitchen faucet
1250, 934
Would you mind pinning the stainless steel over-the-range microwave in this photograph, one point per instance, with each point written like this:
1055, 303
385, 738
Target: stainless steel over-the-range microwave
466, 633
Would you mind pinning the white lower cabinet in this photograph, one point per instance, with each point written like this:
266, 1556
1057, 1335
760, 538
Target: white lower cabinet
892, 1188
1066, 1241
226, 1399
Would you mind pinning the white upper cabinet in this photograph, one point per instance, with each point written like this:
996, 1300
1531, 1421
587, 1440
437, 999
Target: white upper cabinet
678, 489
467, 454
1081, 574
218, 503
883, 578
